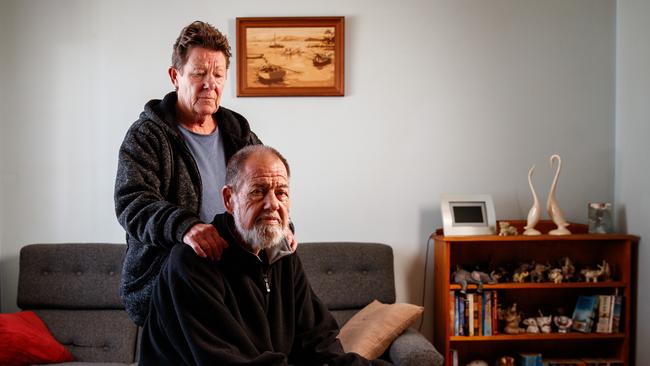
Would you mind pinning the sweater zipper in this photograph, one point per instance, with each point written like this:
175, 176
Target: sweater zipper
266, 282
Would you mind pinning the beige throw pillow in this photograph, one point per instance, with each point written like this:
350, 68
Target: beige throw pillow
370, 331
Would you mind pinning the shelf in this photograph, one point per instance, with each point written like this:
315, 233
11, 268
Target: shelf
492, 252
544, 285
538, 337
495, 239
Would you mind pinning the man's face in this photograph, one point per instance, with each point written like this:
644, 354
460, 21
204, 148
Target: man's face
261, 204
200, 83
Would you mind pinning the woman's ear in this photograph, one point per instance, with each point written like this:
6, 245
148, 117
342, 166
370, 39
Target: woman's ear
228, 195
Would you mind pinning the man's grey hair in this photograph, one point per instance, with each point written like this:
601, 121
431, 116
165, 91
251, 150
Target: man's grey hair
235, 168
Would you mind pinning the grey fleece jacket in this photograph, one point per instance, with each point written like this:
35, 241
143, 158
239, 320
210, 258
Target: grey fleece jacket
158, 192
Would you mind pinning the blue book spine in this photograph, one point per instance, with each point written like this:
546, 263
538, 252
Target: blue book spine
616, 313
487, 313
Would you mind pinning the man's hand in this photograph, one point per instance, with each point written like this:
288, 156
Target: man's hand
205, 241
288, 234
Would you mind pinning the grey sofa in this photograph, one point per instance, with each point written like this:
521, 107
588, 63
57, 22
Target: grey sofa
348, 276
74, 289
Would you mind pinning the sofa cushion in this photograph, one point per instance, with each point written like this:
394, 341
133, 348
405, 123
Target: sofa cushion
55, 276
349, 275
370, 331
93, 335
26, 340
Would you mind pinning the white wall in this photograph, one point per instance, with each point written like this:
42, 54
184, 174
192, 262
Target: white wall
632, 147
441, 96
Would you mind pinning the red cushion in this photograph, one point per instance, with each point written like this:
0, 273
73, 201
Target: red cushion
26, 340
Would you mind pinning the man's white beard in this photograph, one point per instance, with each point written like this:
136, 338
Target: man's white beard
261, 236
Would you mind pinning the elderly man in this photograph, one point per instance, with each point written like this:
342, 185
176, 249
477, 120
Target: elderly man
255, 306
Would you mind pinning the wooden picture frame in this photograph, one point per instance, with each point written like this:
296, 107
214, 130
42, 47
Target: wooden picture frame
290, 56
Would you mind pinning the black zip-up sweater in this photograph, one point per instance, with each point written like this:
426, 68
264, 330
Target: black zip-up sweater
242, 310
158, 192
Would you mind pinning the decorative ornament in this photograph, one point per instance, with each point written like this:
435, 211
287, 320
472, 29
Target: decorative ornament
536, 211
563, 323
551, 204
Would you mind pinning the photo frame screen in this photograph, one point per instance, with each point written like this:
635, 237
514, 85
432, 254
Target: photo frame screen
469, 213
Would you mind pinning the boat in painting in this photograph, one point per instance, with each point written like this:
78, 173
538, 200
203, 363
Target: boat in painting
269, 74
275, 44
321, 60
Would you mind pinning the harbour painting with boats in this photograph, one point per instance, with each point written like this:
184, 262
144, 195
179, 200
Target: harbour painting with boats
290, 57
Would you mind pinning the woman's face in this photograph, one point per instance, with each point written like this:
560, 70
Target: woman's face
200, 83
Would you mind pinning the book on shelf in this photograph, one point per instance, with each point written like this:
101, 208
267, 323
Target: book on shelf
584, 313
616, 313
478, 318
609, 313
462, 315
563, 362
453, 356
471, 314
602, 362
453, 326
529, 359
605, 313
486, 313
495, 317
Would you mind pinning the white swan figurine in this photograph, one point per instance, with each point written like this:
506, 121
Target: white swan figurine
535, 212
551, 204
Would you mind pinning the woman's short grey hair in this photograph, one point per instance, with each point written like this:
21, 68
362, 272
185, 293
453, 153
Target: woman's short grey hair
199, 34
236, 163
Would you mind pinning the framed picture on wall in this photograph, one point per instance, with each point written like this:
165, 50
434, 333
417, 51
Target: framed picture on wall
290, 56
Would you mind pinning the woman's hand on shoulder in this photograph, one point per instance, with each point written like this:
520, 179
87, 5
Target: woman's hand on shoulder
205, 241
291, 239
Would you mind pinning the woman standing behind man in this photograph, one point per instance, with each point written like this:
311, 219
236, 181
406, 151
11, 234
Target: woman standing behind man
172, 165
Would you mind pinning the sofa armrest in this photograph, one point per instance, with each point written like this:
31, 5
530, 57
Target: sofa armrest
411, 348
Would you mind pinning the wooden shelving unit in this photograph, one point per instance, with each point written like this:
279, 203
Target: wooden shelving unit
586, 250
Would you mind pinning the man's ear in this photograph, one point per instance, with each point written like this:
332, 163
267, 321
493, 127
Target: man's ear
227, 194
173, 76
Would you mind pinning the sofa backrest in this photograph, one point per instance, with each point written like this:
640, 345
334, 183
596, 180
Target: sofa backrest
74, 288
347, 276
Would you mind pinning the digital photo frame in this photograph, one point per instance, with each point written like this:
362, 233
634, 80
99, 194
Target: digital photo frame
468, 214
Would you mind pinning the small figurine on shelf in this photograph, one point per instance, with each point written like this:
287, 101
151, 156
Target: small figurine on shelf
566, 264
555, 275
505, 361
607, 273
506, 230
512, 319
531, 325
563, 323
535, 211
544, 322
592, 275
537, 273
502, 274
480, 278
553, 208
462, 277
477, 363
521, 273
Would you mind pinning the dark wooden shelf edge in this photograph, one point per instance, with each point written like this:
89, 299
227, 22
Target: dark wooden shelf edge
540, 238
537, 337
545, 285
